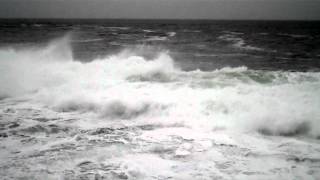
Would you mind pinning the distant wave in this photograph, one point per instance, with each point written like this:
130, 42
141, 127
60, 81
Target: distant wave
233, 32
87, 40
118, 28
38, 25
191, 31
161, 37
263, 33
156, 38
238, 42
294, 35
148, 30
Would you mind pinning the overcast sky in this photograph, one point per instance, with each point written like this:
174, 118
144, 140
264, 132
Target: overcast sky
163, 9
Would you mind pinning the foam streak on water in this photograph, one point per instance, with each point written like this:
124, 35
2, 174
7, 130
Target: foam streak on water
111, 117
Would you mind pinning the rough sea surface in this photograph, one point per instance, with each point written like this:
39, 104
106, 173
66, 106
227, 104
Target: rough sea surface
162, 100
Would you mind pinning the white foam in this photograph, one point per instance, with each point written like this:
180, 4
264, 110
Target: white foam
171, 34
128, 86
148, 30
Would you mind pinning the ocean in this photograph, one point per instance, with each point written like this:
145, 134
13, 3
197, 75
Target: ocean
159, 99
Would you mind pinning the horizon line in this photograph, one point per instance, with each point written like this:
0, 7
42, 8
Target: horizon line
153, 19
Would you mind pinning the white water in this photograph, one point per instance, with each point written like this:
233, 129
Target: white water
128, 117
126, 86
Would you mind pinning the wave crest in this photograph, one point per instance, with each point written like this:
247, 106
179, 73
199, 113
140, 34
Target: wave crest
33, 69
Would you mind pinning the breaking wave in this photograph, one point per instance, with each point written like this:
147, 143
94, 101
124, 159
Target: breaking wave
153, 90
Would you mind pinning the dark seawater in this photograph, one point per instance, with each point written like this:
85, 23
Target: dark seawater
205, 45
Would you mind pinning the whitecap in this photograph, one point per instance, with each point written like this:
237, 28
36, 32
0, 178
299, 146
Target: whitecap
153, 90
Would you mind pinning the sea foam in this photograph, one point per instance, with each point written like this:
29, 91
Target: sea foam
127, 86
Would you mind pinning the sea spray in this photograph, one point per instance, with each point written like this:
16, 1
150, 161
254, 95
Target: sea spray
127, 86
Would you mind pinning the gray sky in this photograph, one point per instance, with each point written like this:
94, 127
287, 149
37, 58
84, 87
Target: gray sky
176, 9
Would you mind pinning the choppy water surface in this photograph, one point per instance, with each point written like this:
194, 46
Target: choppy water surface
159, 100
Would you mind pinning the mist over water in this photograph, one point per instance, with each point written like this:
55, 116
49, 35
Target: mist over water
108, 115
